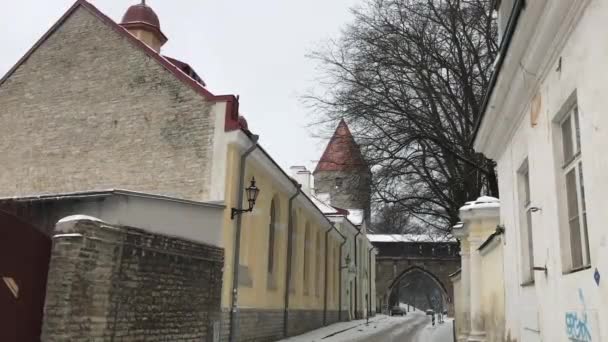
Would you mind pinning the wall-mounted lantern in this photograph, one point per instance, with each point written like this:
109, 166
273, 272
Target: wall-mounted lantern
252, 195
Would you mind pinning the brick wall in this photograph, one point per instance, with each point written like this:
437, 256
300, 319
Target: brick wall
88, 96
123, 284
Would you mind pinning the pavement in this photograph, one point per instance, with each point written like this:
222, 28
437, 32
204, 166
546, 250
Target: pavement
414, 327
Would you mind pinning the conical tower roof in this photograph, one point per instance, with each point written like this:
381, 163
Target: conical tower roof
342, 152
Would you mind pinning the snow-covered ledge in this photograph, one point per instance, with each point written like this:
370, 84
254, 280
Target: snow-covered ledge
479, 220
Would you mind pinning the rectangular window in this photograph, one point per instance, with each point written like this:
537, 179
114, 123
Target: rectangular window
525, 219
574, 192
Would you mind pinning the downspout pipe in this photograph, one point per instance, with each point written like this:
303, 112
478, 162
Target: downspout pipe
289, 259
369, 289
340, 280
237, 240
332, 227
356, 277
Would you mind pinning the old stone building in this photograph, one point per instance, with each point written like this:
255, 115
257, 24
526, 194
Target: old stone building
96, 121
342, 175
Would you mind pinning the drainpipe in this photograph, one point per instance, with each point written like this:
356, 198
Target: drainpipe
289, 257
340, 280
326, 260
356, 277
237, 240
369, 289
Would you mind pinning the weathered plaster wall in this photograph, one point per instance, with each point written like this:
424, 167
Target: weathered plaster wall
88, 96
459, 313
493, 291
546, 309
119, 283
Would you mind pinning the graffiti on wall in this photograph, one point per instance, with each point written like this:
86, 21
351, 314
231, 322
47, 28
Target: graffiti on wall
577, 324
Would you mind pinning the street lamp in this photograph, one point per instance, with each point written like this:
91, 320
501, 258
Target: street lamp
252, 194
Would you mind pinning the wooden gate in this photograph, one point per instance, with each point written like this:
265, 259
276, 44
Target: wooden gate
24, 263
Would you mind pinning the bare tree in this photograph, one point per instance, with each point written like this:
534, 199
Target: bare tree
409, 77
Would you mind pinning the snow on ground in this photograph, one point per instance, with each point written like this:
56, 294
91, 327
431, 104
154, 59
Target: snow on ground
438, 333
352, 331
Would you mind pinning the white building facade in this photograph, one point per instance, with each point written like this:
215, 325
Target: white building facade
545, 123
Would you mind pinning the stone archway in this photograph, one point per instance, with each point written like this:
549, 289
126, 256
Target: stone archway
439, 301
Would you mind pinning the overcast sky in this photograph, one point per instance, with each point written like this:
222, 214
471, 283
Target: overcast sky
255, 49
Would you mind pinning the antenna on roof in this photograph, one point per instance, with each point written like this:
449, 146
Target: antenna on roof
143, 2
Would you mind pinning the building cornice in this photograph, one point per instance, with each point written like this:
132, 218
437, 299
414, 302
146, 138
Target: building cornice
541, 35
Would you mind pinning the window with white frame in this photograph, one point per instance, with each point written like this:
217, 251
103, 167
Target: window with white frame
573, 198
525, 224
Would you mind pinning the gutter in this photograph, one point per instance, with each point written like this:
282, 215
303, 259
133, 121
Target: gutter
518, 7
326, 261
289, 259
356, 275
237, 241
369, 275
340, 280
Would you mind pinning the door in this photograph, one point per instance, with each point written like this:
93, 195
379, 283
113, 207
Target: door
24, 262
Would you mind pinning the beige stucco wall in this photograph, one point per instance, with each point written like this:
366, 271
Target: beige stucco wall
493, 291
259, 293
459, 314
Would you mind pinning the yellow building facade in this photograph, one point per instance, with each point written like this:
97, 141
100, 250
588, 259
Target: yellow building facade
280, 290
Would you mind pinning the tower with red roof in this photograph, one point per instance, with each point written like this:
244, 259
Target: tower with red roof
342, 173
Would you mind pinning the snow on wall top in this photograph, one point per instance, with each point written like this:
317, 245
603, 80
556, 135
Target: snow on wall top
481, 203
409, 238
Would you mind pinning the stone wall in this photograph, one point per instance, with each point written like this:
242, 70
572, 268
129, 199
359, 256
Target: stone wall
343, 196
390, 269
88, 96
119, 283
261, 325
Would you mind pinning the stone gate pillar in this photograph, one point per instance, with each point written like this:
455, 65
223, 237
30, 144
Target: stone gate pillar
463, 312
479, 220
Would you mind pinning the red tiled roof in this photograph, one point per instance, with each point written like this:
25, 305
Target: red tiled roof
342, 211
342, 152
187, 69
232, 103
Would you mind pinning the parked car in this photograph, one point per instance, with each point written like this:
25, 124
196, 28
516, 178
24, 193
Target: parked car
397, 311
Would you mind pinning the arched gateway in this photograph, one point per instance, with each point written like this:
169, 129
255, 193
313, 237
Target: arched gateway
414, 270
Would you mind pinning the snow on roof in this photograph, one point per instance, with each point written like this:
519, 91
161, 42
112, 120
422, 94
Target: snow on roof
78, 218
481, 203
409, 238
324, 207
355, 216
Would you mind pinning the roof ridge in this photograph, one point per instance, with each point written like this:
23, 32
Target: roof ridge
232, 102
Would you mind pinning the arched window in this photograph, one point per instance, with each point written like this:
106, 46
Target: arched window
318, 265
272, 236
306, 256
294, 251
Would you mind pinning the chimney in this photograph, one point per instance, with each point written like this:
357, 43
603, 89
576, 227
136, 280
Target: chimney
141, 21
302, 176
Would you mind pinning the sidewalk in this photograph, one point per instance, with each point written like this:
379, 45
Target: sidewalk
351, 331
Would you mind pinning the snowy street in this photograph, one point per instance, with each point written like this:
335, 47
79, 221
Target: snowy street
415, 327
